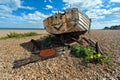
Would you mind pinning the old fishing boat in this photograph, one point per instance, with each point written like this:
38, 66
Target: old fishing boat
70, 21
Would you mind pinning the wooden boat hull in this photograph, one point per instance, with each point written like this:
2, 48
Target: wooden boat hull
71, 21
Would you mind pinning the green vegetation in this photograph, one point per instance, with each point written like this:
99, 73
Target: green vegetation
19, 35
90, 55
47, 41
50, 41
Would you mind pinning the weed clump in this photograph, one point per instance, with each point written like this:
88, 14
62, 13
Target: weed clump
18, 35
90, 55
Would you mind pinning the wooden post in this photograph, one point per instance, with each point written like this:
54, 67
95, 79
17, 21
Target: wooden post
98, 48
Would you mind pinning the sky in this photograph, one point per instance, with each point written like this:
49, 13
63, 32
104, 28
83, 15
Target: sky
31, 13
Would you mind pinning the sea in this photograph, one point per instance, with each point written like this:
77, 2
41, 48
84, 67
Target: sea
21, 28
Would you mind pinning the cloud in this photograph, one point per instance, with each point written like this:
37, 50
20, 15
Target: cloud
94, 8
49, 7
54, 11
27, 7
45, 0
116, 1
98, 13
66, 6
83, 4
8, 6
35, 19
101, 24
102, 15
11, 5
115, 11
48, 1
25, 20
36, 16
31, 20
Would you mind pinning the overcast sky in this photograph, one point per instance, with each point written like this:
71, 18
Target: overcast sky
31, 13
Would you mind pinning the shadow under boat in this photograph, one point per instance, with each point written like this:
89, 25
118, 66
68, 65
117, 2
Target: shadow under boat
56, 42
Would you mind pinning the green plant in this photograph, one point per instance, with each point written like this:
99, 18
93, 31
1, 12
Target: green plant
14, 35
30, 34
79, 51
19, 35
3, 38
90, 54
47, 41
107, 59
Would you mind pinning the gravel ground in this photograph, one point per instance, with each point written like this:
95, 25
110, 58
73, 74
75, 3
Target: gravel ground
62, 67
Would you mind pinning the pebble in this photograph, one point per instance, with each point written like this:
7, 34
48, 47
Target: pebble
61, 67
